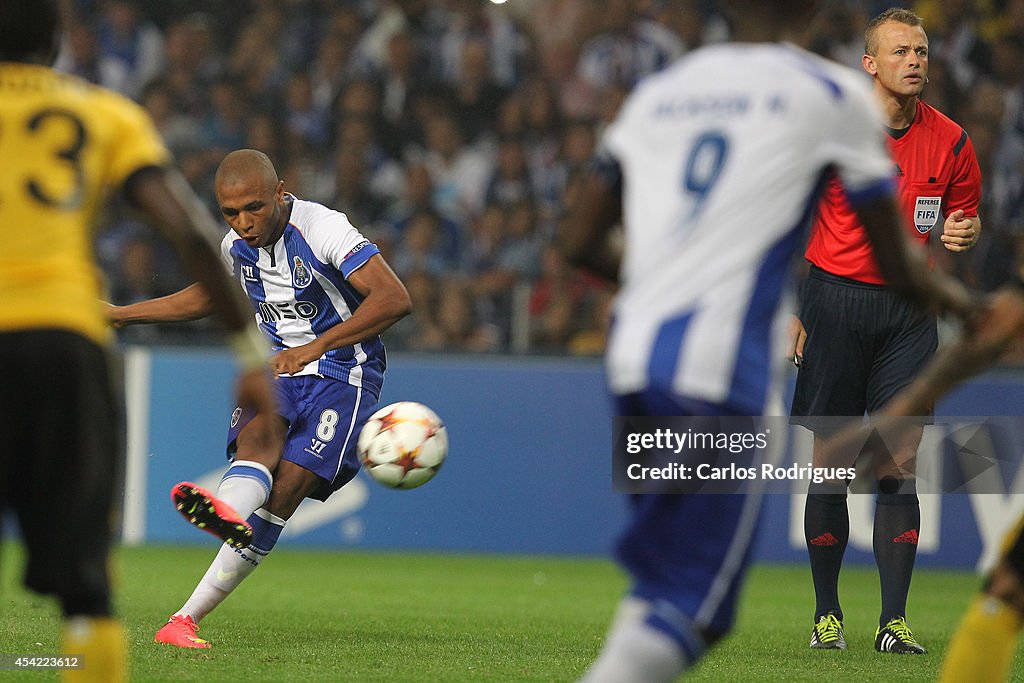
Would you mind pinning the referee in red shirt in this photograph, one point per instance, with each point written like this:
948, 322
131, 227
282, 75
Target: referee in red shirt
859, 343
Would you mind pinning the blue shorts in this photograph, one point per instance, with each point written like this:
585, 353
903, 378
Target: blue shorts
687, 553
324, 419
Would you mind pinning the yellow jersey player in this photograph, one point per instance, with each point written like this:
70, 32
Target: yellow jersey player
65, 146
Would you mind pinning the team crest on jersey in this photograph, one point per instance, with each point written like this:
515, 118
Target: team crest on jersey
926, 213
301, 276
235, 415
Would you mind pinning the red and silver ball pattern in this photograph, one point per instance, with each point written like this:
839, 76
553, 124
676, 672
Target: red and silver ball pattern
403, 445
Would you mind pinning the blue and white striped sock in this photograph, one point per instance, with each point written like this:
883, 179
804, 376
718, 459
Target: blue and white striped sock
245, 486
266, 529
232, 565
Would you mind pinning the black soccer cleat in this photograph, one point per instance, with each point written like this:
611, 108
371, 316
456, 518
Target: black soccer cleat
896, 637
827, 634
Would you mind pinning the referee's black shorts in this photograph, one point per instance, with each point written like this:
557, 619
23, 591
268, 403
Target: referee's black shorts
61, 461
864, 344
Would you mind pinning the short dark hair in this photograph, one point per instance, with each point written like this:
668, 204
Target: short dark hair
897, 14
29, 30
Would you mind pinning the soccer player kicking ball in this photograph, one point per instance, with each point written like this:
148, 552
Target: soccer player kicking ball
322, 294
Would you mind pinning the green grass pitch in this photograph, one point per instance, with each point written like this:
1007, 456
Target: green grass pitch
358, 616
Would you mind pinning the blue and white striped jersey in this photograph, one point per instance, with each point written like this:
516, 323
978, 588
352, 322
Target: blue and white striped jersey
299, 289
722, 156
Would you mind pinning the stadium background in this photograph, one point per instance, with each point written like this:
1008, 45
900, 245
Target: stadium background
529, 468
452, 132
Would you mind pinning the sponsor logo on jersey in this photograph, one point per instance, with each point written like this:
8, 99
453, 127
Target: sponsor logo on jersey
926, 213
235, 415
287, 310
301, 275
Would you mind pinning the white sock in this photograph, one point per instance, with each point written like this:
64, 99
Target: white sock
245, 486
636, 652
232, 565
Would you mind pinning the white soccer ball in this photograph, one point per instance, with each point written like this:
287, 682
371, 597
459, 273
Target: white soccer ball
403, 445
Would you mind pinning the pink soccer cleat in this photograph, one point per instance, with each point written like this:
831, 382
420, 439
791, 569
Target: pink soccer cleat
180, 631
204, 511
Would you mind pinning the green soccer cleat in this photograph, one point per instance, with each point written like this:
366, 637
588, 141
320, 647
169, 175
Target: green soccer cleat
202, 510
896, 637
828, 633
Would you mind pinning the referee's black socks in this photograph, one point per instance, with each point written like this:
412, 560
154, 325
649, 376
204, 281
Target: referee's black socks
897, 525
827, 531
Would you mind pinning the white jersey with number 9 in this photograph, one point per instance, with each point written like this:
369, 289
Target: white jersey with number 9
711, 229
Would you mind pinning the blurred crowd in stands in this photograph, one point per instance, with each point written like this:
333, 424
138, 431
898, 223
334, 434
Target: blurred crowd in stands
453, 132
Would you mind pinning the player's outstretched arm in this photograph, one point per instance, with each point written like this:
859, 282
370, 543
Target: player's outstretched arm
175, 209
164, 196
191, 303
386, 302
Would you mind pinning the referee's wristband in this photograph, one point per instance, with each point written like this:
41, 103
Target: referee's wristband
250, 347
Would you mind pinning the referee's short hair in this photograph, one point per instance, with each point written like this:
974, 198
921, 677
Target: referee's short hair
899, 15
29, 30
